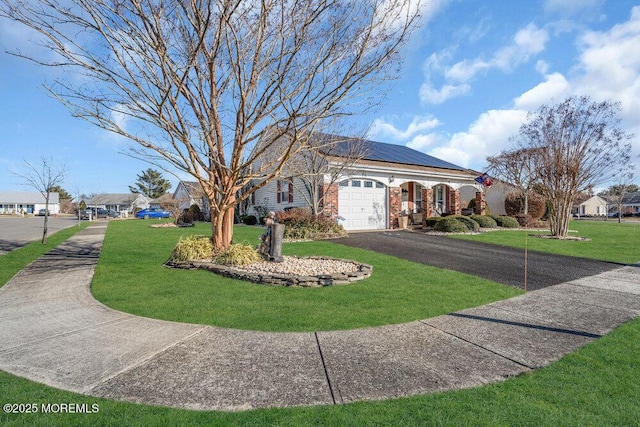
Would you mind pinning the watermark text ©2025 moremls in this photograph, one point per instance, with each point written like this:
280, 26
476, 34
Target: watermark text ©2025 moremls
50, 408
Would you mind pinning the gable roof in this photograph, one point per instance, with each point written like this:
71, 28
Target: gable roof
26, 197
385, 152
585, 199
193, 188
631, 198
113, 198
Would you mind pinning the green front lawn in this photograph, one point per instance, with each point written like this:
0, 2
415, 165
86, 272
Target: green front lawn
596, 385
609, 241
130, 277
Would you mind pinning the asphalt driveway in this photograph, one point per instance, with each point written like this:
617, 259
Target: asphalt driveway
498, 263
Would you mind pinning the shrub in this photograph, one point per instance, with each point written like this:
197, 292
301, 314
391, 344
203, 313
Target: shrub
193, 248
513, 205
196, 212
484, 221
450, 224
431, 222
524, 220
301, 224
261, 211
186, 217
249, 219
468, 222
505, 221
238, 255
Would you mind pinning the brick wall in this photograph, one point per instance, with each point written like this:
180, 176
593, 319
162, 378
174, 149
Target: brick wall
427, 205
481, 203
330, 200
456, 207
395, 206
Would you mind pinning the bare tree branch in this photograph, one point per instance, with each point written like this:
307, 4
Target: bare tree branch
196, 84
42, 177
577, 144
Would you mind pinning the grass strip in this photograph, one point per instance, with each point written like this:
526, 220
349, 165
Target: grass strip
607, 241
11, 263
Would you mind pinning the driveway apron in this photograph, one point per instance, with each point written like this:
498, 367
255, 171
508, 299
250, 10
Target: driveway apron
52, 331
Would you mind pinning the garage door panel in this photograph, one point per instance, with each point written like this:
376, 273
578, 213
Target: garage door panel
363, 208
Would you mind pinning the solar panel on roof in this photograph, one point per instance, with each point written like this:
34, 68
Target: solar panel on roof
384, 152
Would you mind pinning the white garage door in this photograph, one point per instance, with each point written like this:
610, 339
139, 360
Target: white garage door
363, 204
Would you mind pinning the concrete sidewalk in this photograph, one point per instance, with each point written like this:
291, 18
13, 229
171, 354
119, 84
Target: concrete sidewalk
54, 332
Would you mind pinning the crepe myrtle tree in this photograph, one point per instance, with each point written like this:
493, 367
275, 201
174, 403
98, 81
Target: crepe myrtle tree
578, 144
195, 84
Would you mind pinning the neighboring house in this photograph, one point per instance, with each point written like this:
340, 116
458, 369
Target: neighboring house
385, 182
190, 193
162, 201
125, 202
592, 206
18, 202
630, 204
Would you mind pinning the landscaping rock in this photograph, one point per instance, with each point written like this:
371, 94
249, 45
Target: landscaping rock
292, 271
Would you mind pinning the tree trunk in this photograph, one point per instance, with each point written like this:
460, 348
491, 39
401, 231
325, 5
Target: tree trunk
559, 217
222, 226
45, 228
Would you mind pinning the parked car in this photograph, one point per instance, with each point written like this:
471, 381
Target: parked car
100, 213
43, 212
153, 213
111, 213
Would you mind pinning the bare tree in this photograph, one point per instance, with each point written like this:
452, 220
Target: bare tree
43, 178
518, 168
578, 144
194, 84
615, 193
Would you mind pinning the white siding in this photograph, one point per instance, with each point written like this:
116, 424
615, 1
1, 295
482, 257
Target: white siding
268, 196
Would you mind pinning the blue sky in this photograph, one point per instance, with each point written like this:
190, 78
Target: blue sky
470, 75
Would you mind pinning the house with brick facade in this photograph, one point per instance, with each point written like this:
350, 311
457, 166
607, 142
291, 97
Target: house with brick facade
385, 182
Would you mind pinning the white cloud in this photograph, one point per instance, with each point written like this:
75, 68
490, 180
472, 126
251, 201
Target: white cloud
554, 87
464, 71
382, 128
609, 65
424, 142
526, 43
431, 95
542, 67
488, 135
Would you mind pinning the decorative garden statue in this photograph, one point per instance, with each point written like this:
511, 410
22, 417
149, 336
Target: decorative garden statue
271, 245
